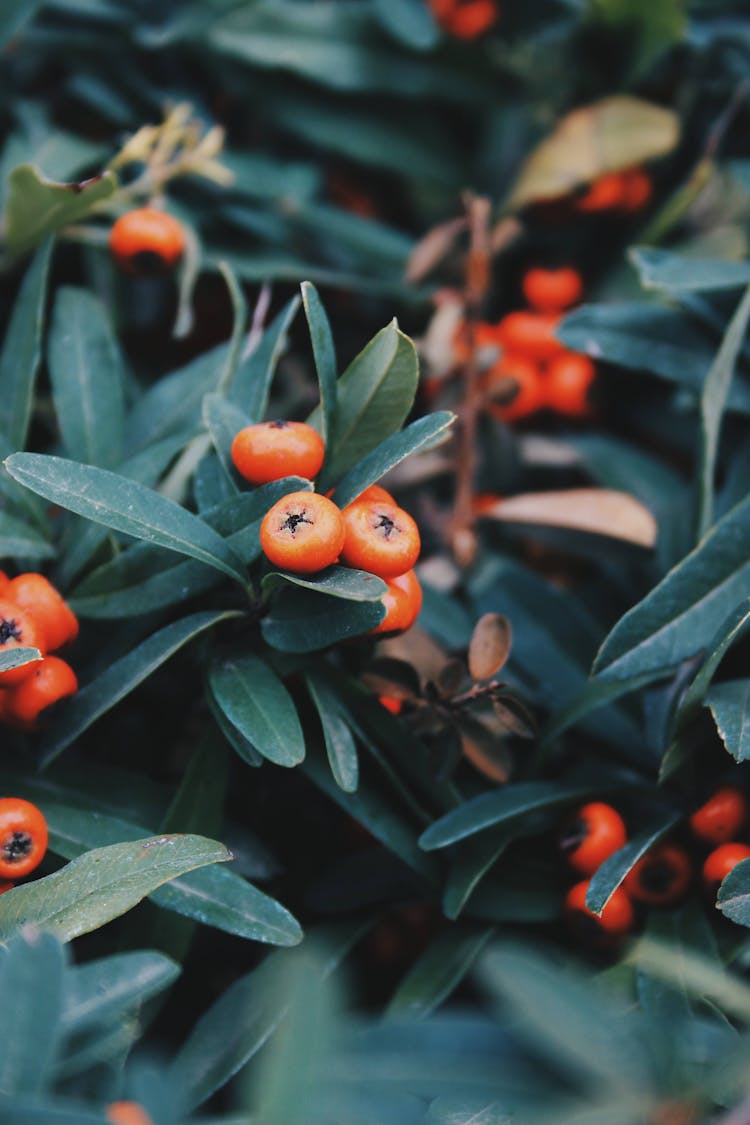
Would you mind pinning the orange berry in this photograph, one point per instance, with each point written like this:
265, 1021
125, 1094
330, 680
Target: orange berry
661, 877
721, 817
380, 538
23, 837
303, 532
591, 835
552, 290
374, 495
393, 705
4, 580
466, 19
6, 886
51, 680
147, 240
615, 920
636, 189
530, 334
39, 598
566, 386
18, 630
606, 193
403, 601
127, 1113
272, 450
723, 860
529, 397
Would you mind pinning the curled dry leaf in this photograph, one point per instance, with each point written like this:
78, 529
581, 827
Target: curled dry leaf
436, 346
433, 247
489, 647
599, 511
484, 749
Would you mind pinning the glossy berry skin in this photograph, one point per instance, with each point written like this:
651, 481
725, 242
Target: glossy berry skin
147, 240
23, 837
566, 386
4, 580
465, 19
636, 189
721, 817
615, 921
5, 886
303, 532
723, 860
529, 394
530, 334
552, 291
393, 705
127, 1113
593, 833
661, 877
18, 630
374, 495
403, 601
272, 450
380, 538
606, 193
50, 681
49, 611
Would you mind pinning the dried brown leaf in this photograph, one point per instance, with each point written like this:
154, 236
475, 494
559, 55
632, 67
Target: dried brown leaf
599, 511
489, 647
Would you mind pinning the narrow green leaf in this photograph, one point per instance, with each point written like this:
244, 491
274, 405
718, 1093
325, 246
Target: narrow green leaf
729, 704
173, 404
733, 899
31, 985
422, 434
725, 636
607, 878
17, 657
256, 702
336, 581
712, 402
594, 695
438, 971
22, 349
37, 206
223, 420
103, 884
324, 353
663, 269
472, 860
409, 21
15, 14
97, 697
304, 621
18, 540
252, 383
239, 323
340, 745
124, 505
86, 372
98, 994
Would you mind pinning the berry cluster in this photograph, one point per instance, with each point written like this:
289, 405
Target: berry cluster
533, 365
663, 875
34, 615
23, 840
305, 532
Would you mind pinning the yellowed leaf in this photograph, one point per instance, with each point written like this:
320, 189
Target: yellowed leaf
600, 511
614, 133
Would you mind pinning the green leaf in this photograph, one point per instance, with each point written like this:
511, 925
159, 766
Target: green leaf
173, 404
99, 993
729, 704
124, 505
408, 21
252, 383
223, 420
324, 353
15, 14
17, 657
37, 206
500, 807
733, 899
678, 617
652, 27
594, 695
22, 349
31, 985
256, 702
86, 373
607, 878
97, 697
336, 581
469, 863
725, 636
303, 621
375, 394
340, 745
422, 434
712, 402
662, 269
438, 971
103, 884
18, 540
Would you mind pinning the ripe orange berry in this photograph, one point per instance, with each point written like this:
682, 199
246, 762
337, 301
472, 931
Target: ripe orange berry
591, 835
661, 877
552, 290
4, 580
40, 600
23, 837
606, 193
272, 450
395, 706
530, 334
403, 601
18, 630
303, 532
615, 920
566, 386
721, 817
127, 1113
51, 680
374, 495
636, 189
147, 240
465, 19
723, 860
380, 538
527, 376
6, 886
